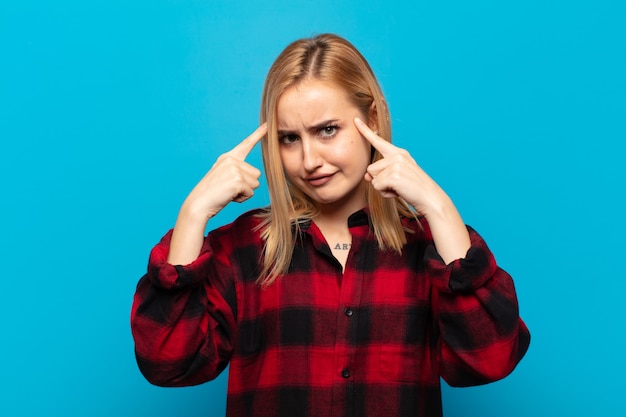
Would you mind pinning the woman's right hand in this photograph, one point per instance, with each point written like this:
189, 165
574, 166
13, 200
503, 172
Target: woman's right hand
230, 179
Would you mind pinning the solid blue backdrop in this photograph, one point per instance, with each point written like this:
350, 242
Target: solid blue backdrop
110, 111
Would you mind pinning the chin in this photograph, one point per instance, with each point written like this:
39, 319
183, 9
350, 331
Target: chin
324, 200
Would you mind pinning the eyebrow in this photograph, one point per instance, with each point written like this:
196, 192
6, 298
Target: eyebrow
313, 128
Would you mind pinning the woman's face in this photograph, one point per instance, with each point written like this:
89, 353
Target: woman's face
322, 152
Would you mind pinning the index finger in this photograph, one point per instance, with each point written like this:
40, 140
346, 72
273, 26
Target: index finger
242, 150
381, 145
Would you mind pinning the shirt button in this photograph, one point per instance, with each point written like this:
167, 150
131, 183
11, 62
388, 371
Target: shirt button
348, 311
345, 373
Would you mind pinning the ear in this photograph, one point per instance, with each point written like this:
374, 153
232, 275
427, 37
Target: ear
372, 117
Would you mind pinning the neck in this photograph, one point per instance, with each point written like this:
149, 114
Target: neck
336, 214
337, 218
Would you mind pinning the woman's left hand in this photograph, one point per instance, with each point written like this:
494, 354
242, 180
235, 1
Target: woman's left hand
398, 175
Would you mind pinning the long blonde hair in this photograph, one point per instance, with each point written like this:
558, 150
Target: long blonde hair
332, 59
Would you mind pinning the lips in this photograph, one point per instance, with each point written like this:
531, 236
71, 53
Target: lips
319, 179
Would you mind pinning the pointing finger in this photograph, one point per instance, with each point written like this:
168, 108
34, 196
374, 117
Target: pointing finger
242, 150
381, 145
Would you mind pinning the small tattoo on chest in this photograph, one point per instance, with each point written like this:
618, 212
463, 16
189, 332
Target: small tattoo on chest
342, 246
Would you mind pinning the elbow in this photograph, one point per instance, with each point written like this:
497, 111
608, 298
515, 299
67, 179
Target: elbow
486, 365
159, 380
181, 373
160, 374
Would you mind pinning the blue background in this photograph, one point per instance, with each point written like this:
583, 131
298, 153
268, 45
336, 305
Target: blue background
110, 112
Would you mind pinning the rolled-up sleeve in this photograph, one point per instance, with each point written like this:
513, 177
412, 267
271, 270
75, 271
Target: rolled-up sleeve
183, 316
481, 335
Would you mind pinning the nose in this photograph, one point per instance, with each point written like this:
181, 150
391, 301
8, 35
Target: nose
311, 157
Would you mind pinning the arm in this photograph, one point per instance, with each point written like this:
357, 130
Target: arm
184, 311
183, 317
482, 337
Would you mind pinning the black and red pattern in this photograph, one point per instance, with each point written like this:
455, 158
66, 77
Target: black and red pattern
371, 341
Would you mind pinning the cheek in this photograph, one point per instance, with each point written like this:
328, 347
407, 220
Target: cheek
358, 151
288, 162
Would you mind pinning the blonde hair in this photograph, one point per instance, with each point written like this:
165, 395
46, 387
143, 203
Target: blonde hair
329, 58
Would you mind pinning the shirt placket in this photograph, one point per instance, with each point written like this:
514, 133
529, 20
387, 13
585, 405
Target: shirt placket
345, 370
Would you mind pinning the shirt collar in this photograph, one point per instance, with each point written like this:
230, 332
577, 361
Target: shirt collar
356, 219
359, 218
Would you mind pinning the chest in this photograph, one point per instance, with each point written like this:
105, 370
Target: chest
377, 296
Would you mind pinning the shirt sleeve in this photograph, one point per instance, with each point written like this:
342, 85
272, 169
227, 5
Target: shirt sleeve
183, 317
481, 336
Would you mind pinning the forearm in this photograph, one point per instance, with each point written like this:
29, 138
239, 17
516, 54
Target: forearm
448, 229
187, 236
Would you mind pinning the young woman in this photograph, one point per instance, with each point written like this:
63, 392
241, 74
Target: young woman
353, 293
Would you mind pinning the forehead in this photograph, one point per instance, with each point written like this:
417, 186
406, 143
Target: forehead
313, 99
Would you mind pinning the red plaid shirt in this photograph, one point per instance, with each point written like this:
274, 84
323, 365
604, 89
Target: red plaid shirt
371, 341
